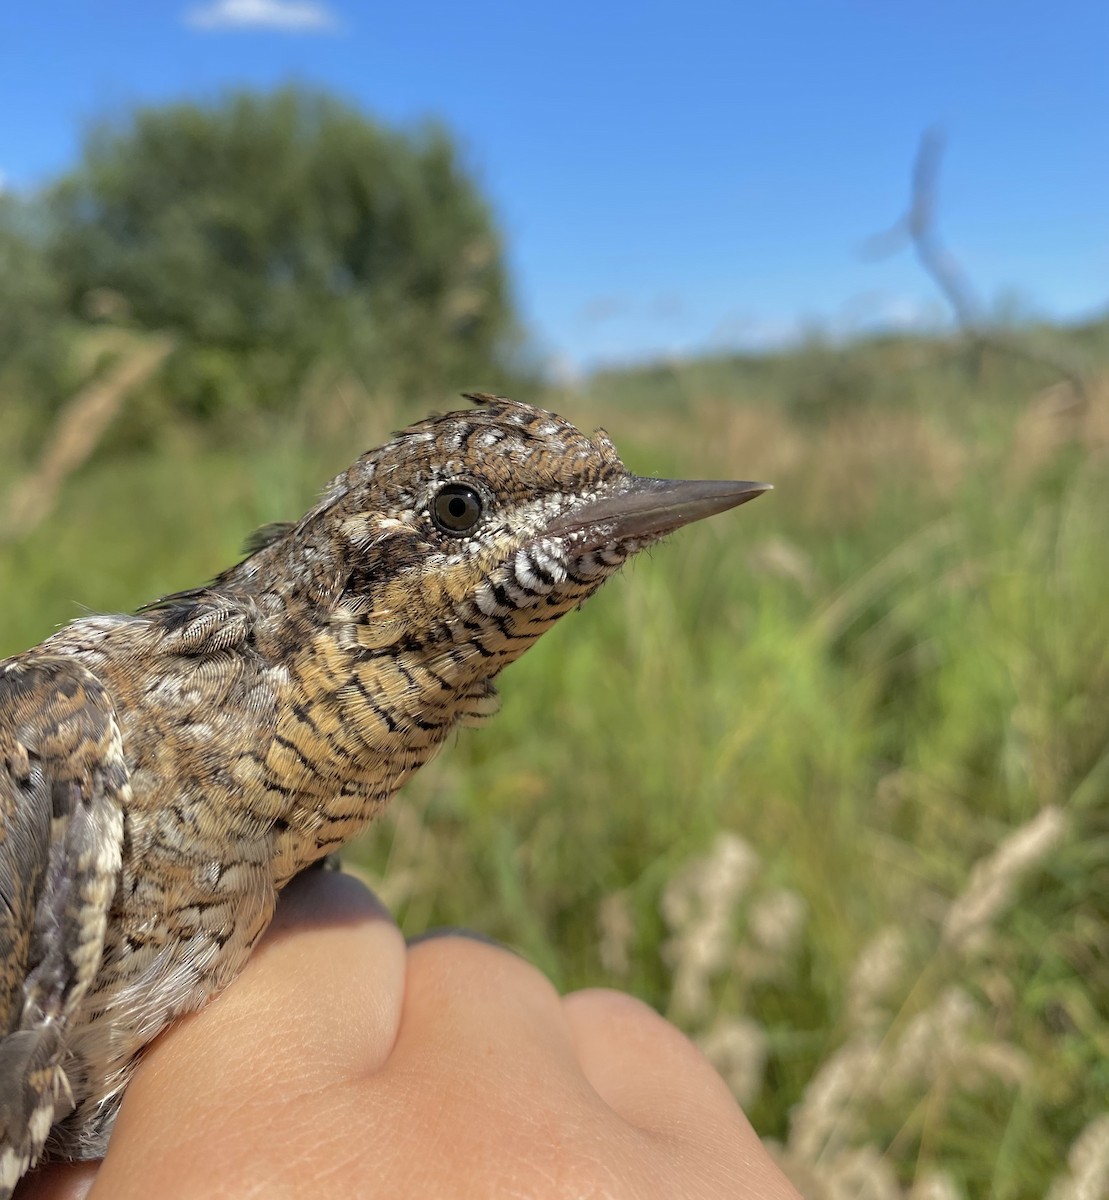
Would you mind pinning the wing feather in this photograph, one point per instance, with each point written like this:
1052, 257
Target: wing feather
63, 786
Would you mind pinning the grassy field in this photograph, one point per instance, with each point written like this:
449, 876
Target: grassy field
826, 780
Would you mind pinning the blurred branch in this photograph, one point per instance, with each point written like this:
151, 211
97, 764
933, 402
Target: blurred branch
77, 432
918, 227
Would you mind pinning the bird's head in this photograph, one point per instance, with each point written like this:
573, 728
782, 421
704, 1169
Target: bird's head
478, 529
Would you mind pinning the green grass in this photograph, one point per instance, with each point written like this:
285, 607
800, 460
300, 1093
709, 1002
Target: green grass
873, 676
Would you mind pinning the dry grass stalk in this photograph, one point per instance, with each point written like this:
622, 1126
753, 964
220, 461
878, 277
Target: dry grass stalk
878, 969
76, 434
935, 1185
616, 921
1087, 1174
698, 905
738, 1049
775, 926
993, 883
822, 1123
945, 1042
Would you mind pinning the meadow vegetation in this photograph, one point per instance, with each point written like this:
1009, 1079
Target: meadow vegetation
826, 780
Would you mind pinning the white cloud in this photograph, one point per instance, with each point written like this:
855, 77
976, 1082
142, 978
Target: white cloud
883, 310
603, 308
293, 16
739, 331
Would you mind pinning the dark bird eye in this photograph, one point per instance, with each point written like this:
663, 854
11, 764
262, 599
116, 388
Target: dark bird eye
456, 508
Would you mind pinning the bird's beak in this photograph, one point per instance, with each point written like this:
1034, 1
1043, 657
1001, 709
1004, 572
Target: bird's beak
654, 507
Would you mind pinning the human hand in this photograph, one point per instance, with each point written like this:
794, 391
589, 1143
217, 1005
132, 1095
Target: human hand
343, 1063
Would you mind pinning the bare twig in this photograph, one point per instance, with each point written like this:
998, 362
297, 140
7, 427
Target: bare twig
918, 227
77, 432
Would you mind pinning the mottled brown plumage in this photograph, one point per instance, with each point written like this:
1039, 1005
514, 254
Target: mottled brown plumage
163, 775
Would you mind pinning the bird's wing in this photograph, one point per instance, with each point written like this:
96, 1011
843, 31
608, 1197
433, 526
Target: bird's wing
63, 784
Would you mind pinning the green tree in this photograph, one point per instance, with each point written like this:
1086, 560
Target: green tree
277, 234
36, 365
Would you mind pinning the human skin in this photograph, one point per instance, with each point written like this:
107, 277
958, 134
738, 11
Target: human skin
345, 1063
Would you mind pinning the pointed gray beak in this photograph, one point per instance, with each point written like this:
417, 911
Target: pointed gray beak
654, 507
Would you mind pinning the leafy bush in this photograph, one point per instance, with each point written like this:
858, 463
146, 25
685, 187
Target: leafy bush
278, 235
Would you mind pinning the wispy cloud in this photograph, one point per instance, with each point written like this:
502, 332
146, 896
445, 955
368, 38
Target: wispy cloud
292, 16
663, 306
880, 309
603, 308
743, 332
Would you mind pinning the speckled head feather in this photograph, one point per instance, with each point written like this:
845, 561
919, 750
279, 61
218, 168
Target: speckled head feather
163, 775
376, 519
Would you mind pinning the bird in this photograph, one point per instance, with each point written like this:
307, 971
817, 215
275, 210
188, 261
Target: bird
164, 774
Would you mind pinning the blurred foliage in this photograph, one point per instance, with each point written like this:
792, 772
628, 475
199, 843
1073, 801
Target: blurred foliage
282, 239
30, 292
36, 332
874, 677
823, 377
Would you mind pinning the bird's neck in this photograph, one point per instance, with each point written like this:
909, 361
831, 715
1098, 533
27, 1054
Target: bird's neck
362, 718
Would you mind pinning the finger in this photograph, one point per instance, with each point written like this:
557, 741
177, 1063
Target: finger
460, 987
484, 1061
322, 991
643, 1066
653, 1076
318, 1003
478, 1012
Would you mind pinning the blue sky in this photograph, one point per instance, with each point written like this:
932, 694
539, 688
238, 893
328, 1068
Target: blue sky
670, 176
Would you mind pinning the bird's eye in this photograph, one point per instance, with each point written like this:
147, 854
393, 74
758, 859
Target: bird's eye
456, 508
